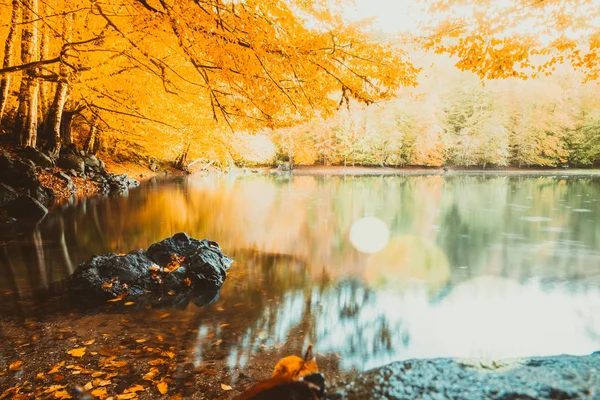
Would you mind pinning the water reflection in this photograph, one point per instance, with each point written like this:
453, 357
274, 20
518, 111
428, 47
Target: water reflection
475, 266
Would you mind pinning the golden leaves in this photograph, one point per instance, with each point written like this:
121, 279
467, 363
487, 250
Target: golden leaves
77, 352
16, 366
226, 387
162, 387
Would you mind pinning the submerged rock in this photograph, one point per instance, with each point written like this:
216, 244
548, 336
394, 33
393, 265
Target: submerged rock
26, 207
171, 272
558, 377
7, 194
120, 184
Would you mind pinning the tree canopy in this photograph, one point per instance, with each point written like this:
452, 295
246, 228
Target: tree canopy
166, 76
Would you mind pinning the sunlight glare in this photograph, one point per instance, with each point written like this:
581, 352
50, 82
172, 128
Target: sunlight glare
369, 235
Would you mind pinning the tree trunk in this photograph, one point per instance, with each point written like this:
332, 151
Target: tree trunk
180, 161
44, 55
92, 141
66, 129
54, 120
53, 129
9, 48
26, 124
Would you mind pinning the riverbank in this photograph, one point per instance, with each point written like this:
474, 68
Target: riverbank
315, 170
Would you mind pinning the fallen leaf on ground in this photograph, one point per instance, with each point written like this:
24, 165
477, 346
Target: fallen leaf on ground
165, 315
53, 389
126, 396
226, 387
88, 386
188, 282
158, 361
151, 374
169, 354
16, 366
78, 352
130, 303
162, 387
90, 342
134, 388
141, 340
107, 285
56, 368
13, 391
100, 392
63, 394
40, 376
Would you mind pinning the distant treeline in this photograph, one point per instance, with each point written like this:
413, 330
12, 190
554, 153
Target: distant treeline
454, 119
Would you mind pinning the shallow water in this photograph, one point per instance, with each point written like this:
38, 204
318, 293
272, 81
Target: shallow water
458, 265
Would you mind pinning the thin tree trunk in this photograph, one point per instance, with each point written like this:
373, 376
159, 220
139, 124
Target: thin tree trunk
44, 55
90, 142
9, 49
54, 124
26, 127
180, 162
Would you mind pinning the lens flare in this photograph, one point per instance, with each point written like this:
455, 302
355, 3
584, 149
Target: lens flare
369, 235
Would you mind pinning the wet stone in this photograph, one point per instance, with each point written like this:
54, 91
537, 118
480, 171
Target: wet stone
172, 272
557, 377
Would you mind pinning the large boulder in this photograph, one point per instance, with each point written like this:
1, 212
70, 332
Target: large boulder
26, 207
17, 173
558, 377
39, 158
171, 272
67, 179
7, 194
120, 184
71, 161
91, 162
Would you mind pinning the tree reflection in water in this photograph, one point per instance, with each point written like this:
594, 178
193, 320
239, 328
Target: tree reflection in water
492, 266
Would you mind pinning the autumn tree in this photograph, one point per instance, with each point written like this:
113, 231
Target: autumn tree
517, 38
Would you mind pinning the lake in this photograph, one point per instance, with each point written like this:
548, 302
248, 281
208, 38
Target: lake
370, 269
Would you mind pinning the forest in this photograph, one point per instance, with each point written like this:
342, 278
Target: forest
511, 83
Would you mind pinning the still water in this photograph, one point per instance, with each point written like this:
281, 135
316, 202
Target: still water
457, 265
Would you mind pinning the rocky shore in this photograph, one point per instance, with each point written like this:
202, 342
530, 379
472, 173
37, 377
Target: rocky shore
556, 377
31, 181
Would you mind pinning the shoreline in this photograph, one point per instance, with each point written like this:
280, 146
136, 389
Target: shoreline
310, 170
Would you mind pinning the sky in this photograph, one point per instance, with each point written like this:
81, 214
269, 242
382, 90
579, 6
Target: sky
390, 15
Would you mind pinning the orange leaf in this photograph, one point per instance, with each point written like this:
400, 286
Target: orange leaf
16, 366
63, 394
162, 387
100, 392
226, 387
135, 388
78, 352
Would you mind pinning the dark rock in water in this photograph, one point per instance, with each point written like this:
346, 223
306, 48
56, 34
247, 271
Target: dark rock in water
44, 195
121, 184
6, 224
67, 179
559, 377
171, 272
7, 194
72, 161
17, 173
26, 207
39, 158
